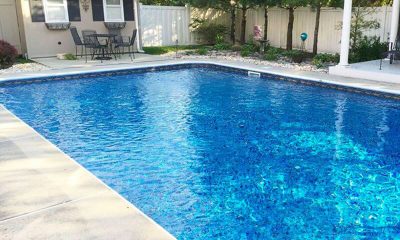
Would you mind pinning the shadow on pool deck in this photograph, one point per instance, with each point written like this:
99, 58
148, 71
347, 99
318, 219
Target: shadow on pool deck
55, 63
44, 194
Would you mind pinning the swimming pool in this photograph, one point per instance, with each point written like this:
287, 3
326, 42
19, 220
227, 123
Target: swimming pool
211, 154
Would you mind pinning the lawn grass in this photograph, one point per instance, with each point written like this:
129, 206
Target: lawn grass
167, 49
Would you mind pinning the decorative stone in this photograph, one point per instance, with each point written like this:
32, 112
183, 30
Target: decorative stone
61, 56
24, 67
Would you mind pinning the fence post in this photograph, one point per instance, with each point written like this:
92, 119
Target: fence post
188, 17
139, 41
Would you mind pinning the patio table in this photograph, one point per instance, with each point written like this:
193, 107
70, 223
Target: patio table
109, 37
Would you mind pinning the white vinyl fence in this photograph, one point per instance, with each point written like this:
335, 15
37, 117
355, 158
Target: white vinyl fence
304, 21
161, 26
8, 23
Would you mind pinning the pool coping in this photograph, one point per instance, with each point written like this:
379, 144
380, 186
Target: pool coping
369, 88
75, 203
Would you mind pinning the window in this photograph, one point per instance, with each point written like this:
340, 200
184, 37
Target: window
56, 11
113, 10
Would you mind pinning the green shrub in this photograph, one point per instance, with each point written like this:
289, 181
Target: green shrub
222, 46
295, 55
245, 53
248, 49
69, 56
271, 56
219, 39
23, 60
320, 60
8, 54
367, 49
210, 31
202, 51
220, 43
275, 50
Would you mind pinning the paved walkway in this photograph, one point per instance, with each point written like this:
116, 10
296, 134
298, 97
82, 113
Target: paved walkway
44, 194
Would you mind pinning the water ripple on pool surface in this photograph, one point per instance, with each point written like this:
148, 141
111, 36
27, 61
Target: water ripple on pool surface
215, 155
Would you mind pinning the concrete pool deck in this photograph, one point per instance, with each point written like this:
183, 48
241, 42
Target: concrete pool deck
44, 194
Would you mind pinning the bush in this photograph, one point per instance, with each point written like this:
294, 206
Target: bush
295, 55
210, 31
274, 50
202, 51
271, 56
8, 54
69, 56
367, 49
320, 60
220, 43
248, 49
222, 46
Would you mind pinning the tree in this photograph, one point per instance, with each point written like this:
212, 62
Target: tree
222, 5
360, 22
266, 4
291, 5
317, 5
245, 5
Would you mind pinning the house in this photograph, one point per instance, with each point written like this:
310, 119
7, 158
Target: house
40, 28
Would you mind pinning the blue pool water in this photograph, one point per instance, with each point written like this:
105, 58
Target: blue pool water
216, 155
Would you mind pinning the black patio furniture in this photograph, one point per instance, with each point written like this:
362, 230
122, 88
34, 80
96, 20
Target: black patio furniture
120, 45
393, 53
77, 41
105, 49
91, 41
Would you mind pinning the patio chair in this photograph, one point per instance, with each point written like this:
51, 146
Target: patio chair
121, 45
77, 41
392, 54
93, 43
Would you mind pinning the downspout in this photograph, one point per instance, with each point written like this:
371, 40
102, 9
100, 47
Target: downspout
139, 32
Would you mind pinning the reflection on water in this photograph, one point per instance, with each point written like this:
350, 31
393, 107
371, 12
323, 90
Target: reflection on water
214, 155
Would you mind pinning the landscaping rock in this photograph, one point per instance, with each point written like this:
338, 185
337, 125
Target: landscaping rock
24, 67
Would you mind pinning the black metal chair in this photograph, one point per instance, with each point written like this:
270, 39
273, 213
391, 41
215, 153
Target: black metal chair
116, 41
92, 42
393, 53
77, 41
120, 44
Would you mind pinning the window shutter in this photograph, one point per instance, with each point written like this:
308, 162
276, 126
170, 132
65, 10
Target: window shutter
97, 10
128, 10
74, 12
37, 10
